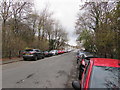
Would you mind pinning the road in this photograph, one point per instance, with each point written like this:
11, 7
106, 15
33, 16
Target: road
51, 72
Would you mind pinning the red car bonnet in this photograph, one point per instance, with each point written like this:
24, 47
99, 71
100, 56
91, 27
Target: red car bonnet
98, 62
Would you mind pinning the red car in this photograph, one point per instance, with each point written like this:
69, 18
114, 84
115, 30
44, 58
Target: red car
99, 73
60, 52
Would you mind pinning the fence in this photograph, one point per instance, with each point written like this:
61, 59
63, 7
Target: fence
10, 54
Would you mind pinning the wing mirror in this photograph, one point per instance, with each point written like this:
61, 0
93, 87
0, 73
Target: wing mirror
76, 85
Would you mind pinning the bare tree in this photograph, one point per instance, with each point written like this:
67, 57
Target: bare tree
32, 20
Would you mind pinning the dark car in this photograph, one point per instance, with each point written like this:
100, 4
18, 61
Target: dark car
59, 51
99, 73
33, 54
78, 55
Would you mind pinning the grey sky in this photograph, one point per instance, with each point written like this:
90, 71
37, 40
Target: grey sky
65, 11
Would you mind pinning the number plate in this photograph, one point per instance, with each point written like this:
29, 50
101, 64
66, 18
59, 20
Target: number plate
27, 54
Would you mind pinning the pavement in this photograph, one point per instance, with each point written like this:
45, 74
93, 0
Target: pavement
52, 72
7, 60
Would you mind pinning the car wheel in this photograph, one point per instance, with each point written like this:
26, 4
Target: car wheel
35, 58
43, 57
24, 59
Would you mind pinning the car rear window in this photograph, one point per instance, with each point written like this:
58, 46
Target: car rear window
46, 51
105, 77
27, 50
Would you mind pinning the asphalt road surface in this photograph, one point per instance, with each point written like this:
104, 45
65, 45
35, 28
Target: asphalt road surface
51, 72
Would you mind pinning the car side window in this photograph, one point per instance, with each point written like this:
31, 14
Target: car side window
37, 50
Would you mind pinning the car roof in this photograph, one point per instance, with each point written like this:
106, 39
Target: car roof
106, 62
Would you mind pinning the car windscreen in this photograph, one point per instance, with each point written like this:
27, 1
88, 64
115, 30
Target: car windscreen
52, 51
105, 77
28, 50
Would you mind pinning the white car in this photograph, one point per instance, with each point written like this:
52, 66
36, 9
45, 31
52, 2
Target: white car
54, 52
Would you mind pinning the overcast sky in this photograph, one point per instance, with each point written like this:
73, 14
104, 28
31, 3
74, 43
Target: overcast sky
65, 11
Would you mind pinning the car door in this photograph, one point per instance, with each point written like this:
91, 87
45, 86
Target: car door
38, 53
41, 53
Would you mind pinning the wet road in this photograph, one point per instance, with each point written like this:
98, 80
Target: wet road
51, 72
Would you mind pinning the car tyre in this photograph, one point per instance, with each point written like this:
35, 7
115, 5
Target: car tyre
24, 59
35, 58
43, 57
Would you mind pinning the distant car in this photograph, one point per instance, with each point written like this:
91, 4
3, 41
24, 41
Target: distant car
33, 54
63, 51
59, 51
46, 53
53, 52
99, 73
69, 50
78, 55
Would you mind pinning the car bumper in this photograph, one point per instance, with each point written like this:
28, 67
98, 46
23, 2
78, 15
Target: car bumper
28, 56
51, 54
46, 55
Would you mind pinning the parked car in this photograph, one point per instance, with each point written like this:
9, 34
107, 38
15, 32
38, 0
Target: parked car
53, 52
63, 51
46, 53
59, 51
78, 55
99, 73
69, 50
34, 54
